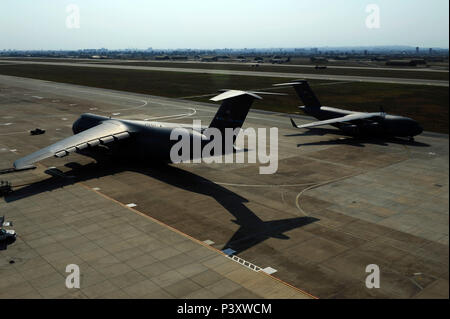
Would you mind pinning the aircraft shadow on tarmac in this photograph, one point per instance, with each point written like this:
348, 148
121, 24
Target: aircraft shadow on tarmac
359, 141
251, 232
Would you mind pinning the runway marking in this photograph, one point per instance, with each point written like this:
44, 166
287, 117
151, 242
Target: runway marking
297, 199
317, 185
269, 270
119, 95
192, 238
173, 117
59, 85
244, 263
264, 185
209, 242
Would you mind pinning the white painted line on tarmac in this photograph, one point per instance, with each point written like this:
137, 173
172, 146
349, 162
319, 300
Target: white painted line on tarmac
269, 270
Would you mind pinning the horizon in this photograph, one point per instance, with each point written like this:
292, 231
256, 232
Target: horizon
340, 47
42, 25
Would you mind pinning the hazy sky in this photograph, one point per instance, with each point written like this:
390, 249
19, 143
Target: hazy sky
114, 24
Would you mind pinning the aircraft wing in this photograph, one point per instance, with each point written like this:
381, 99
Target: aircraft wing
347, 118
106, 132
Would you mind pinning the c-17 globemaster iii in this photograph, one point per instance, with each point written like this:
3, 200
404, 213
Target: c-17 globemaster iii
350, 122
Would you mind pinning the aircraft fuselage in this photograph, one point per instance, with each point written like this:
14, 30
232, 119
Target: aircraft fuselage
389, 125
149, 140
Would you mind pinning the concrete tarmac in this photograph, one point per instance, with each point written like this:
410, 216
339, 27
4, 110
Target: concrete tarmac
336, 205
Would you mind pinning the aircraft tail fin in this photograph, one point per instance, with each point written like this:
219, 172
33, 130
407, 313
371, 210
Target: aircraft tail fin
305, 93
234, 109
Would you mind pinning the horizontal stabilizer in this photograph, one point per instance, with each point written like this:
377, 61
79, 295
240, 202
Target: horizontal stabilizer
258, 92
232, 94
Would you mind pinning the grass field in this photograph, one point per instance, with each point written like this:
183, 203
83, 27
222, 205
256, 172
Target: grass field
294, 69
267, 67
427, 104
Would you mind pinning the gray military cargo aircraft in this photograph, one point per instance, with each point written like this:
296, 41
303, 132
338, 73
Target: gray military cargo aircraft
142, 139
350, 122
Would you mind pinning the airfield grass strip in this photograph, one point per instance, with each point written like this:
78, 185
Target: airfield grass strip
444, 76
427, 104
268, 67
